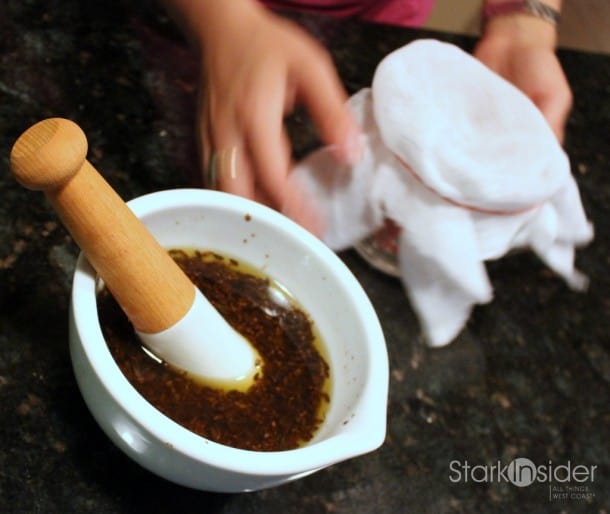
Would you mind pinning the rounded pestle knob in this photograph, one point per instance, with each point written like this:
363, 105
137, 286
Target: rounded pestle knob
169, 313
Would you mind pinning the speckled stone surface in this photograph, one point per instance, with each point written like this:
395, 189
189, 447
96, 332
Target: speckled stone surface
529, 377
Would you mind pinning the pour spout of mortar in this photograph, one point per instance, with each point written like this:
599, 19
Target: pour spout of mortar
169, 313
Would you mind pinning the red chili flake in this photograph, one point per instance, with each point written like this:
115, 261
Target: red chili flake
282, 409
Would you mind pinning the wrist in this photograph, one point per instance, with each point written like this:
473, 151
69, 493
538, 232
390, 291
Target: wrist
548, 10
525, 22
205, 20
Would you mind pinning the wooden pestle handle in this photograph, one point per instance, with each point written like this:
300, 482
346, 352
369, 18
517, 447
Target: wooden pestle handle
146, 282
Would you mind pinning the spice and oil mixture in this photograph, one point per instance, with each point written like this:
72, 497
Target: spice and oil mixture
286, 403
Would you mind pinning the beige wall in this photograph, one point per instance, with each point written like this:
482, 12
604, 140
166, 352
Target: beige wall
462, 16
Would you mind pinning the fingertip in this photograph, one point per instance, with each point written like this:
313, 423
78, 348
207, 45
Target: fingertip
350, 148
300, 208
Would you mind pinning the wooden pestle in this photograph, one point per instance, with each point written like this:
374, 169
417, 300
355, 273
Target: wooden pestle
51, 157
149, 286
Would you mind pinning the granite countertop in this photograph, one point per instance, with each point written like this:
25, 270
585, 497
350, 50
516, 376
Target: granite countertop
528, 378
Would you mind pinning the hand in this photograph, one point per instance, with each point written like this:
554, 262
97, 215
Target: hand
521, 49
256, 66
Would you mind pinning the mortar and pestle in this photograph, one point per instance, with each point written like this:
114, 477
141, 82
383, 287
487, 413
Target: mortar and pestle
125, 245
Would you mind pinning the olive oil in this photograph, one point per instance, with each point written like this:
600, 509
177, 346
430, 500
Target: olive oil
284, 406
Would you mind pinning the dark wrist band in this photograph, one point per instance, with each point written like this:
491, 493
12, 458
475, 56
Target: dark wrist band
532, 7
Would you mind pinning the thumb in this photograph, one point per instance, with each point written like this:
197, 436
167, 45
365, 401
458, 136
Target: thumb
555, 108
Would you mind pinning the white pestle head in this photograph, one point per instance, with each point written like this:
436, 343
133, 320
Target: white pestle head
204, 345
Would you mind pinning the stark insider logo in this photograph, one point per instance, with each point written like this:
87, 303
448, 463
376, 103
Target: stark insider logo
520, 472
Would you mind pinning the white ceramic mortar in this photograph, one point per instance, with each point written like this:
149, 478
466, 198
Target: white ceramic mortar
356, 420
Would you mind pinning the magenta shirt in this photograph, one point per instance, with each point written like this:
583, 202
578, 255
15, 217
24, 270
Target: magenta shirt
411, 13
